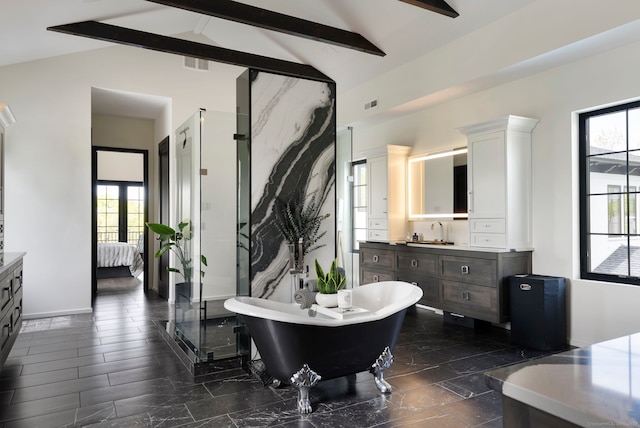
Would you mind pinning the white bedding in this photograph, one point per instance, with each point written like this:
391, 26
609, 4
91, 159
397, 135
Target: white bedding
112, 254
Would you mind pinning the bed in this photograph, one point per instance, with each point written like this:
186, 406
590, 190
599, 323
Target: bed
116, 259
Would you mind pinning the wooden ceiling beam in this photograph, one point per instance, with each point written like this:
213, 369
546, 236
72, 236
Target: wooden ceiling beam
267, 19
156, 42
437, 6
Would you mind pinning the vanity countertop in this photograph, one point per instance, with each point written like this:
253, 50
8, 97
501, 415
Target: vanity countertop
597, 385
459, 247
10, 261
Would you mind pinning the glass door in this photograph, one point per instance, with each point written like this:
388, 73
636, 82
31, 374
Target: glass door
206, 195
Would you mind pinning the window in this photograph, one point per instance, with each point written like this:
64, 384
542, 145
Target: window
359, 173
120, 212
609, 186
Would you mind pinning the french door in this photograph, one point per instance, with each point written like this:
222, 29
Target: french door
120, 212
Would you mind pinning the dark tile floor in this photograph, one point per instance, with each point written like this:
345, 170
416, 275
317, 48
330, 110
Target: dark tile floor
112, 369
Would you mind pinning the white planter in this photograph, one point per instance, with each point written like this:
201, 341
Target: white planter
327, 300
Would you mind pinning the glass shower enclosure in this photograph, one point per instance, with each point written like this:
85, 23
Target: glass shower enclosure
205, 215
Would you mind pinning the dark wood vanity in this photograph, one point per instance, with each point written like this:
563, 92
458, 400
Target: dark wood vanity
11, 275
469, 281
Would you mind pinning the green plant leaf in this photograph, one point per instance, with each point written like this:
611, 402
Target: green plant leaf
332, 281
161, 229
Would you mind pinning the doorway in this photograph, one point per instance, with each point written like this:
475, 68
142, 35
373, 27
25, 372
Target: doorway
163, 184
119, 212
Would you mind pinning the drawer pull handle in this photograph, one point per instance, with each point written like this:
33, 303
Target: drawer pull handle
464, 270
375, 258
414, 263
466, 295
376, 278
525, 287
10, 290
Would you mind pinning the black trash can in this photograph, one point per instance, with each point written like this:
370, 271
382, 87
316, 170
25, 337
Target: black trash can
538, 311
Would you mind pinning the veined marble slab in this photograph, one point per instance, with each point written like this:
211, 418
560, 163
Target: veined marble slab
292, 147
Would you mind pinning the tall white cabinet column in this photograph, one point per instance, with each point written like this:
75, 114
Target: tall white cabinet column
499, 182
386, 177
6, 119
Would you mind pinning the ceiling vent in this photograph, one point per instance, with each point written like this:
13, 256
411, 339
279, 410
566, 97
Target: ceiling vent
196, 63
371, 104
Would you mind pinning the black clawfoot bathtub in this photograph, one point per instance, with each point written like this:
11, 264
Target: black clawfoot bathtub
301, 347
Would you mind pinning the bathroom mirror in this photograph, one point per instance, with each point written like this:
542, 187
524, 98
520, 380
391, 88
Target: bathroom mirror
437, 185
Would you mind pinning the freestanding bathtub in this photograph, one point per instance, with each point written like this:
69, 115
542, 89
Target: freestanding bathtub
302, 346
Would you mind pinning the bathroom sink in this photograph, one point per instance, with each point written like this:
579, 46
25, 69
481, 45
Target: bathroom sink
434, 242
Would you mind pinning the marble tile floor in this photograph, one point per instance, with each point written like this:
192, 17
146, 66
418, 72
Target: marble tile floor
112, 369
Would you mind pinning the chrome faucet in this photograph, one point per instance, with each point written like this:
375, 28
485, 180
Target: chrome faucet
441, 229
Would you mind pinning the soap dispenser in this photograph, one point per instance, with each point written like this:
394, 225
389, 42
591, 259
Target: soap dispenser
416, 238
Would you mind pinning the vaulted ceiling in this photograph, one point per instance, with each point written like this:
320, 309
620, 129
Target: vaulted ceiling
400, 29
410, 53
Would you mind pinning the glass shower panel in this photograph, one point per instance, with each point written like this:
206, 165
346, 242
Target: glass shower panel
217, 171
187, 284
206, 195
344, 195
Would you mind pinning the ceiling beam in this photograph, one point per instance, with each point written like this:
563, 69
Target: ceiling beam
263, 18
437, 6
156, 42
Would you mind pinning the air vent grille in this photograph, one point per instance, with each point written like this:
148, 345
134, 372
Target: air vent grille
196, 63
371, 104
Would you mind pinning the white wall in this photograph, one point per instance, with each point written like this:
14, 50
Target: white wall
598, 311
48, 174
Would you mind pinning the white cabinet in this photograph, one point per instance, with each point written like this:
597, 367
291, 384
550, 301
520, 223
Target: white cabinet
386, 177
499, 182
6, 119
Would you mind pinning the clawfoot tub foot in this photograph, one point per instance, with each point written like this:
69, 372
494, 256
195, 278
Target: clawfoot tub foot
304, 379
383, 362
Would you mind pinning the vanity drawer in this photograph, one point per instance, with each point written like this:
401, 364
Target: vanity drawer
471, 300
487, 225
377, 259
430, 287
6, 291
10, 325
368, 276
17, 278
417, 263
377, 235
377, 223
469, 270
488, 240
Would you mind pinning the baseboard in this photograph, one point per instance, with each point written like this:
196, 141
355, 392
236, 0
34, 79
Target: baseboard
56, 314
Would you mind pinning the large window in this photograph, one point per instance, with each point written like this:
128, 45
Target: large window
120, 212
609, 186
359, 199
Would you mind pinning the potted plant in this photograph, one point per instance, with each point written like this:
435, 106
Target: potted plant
329, 284
172, 240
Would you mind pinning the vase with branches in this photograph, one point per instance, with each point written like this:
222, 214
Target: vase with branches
298, 219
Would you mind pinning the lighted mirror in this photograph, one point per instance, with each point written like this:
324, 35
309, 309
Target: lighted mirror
437, 185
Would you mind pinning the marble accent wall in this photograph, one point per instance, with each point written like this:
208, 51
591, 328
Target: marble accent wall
292, 147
